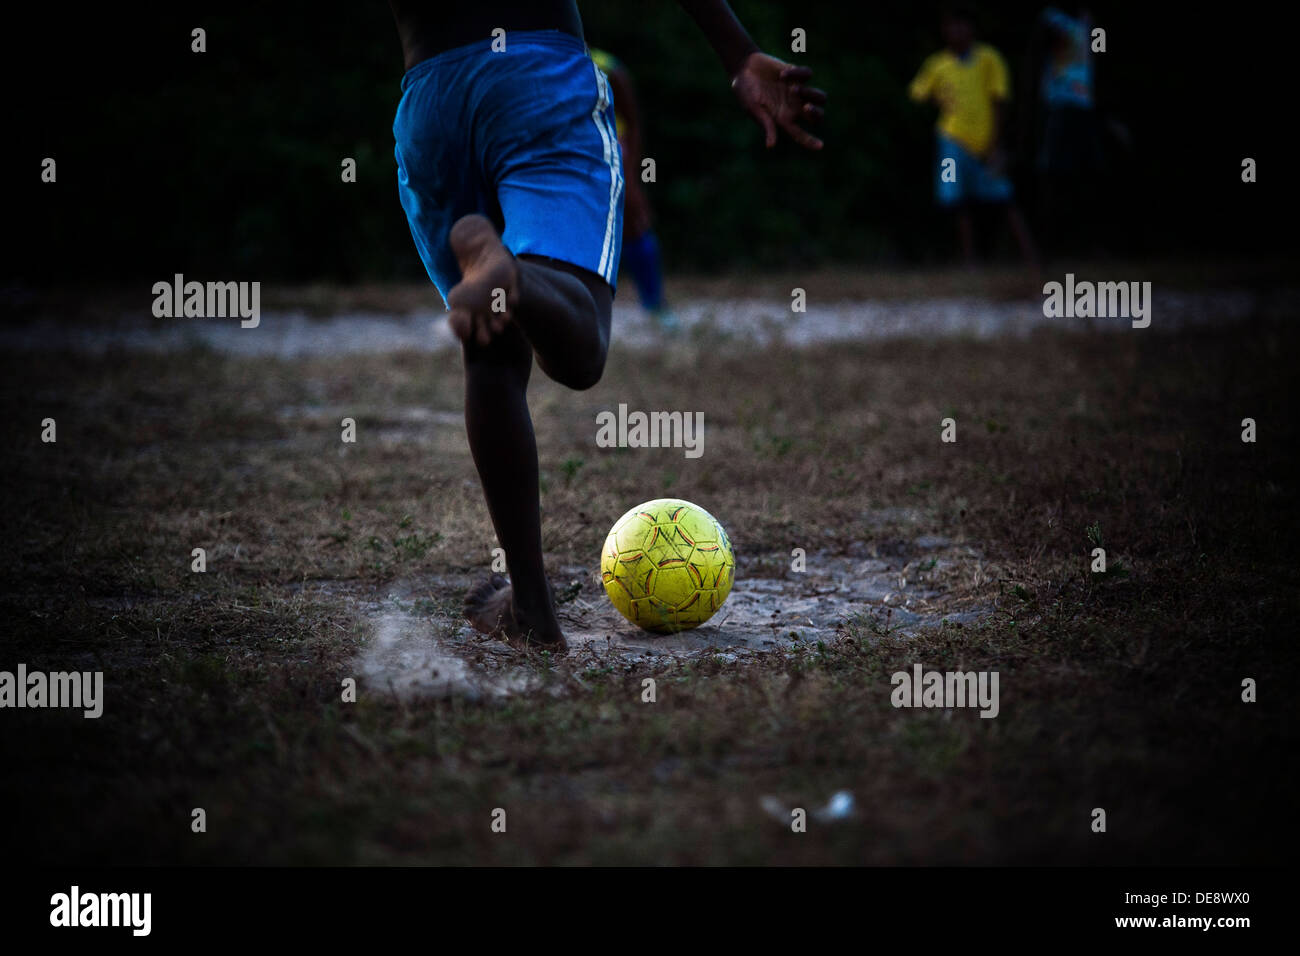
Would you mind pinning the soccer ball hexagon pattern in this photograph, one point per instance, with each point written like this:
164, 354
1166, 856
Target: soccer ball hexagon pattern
667, 565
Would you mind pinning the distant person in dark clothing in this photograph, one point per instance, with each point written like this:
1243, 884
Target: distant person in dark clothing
1070, 156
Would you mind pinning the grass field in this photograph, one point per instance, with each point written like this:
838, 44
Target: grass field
1120, 691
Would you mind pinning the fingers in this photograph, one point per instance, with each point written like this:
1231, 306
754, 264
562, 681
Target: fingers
769, 127
795, 76
810, 94
811, 100
801, 136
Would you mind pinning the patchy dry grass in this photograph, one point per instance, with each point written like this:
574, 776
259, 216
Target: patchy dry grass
996, 281
223, 688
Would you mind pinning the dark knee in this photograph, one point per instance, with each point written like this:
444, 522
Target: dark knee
587, 374
592, 367
581, 372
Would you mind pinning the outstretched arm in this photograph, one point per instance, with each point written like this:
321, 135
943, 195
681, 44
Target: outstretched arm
770, 90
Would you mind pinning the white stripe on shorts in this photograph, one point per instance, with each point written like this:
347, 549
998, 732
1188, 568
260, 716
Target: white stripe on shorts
609, 138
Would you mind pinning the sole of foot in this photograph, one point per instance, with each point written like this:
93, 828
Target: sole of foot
481, 303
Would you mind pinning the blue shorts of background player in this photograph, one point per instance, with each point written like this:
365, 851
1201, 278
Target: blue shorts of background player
972, 180
524, 137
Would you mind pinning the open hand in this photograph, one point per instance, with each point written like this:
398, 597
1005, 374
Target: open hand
773, 92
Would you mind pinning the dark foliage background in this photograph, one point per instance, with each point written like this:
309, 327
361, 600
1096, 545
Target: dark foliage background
227, 163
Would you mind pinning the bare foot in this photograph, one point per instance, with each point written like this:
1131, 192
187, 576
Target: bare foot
489, 607
482, 302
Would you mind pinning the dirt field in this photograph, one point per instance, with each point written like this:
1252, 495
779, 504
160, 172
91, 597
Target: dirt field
328, 561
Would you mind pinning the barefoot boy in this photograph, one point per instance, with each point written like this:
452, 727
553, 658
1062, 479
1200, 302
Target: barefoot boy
509, 170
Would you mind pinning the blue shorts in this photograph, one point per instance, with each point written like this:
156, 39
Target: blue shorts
973, 180
525, 137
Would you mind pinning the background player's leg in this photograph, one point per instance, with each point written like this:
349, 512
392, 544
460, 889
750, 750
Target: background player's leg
1024, 238
501, 440
966, 236
641, 258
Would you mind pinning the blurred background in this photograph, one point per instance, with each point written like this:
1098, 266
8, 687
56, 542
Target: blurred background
171, 161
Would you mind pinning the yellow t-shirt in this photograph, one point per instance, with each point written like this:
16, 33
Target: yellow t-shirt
965, 90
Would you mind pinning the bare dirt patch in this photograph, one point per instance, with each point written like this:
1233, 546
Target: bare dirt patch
422, 647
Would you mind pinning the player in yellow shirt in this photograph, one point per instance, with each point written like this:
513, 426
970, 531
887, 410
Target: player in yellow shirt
970, 84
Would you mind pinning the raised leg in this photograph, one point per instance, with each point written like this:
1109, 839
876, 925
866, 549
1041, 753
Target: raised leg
563, 310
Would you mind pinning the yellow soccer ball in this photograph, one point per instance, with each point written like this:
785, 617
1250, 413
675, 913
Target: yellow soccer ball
667, 565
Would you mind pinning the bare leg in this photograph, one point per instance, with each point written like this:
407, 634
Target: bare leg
966, 237
501, 440
1024, 239
505, 310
